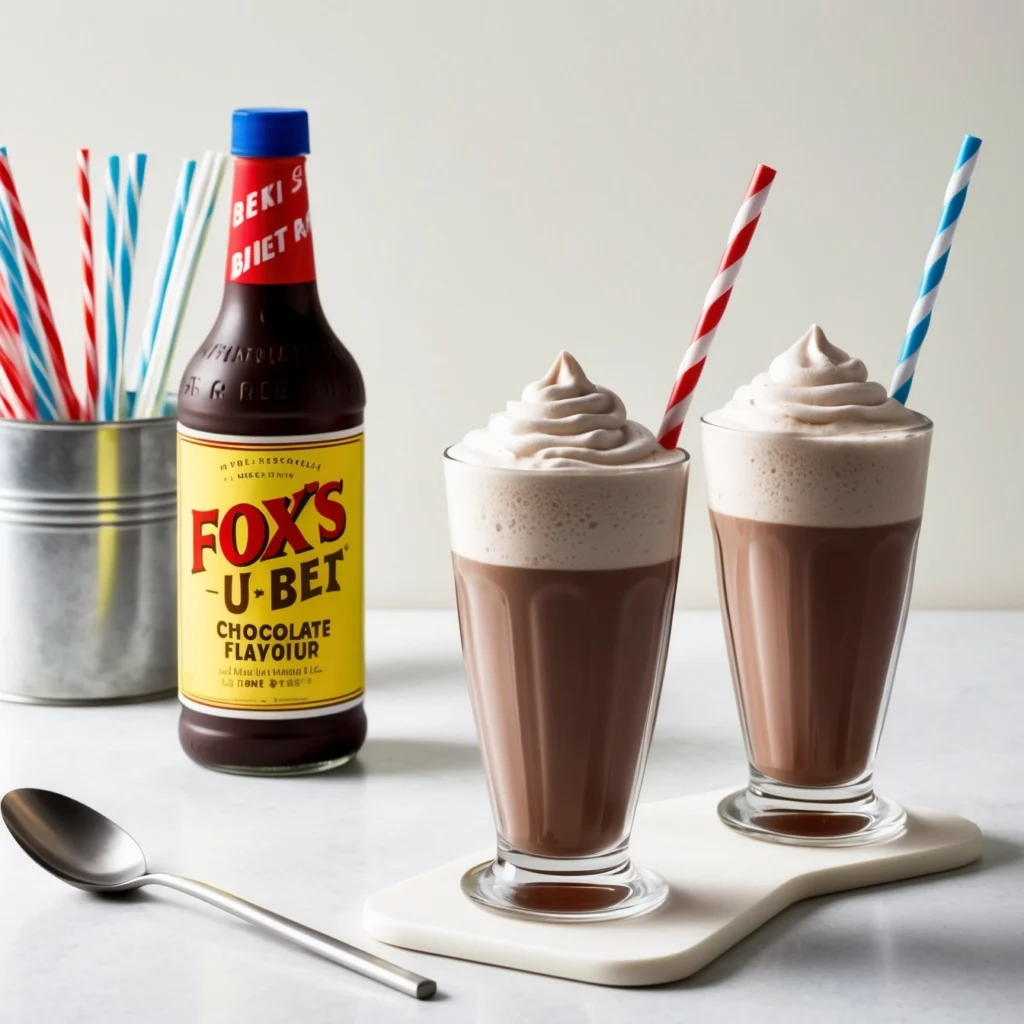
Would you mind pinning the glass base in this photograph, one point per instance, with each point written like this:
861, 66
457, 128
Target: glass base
812, 817
547, 890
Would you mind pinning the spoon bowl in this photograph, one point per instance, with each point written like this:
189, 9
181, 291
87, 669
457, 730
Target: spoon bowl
89, 851
72, 841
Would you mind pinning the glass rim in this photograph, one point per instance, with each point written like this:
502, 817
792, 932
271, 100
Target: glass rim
924, 426
598, 471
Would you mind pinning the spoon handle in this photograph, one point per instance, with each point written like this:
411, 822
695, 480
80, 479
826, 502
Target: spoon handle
315, 942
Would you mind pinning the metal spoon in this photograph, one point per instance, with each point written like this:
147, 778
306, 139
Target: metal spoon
83, 848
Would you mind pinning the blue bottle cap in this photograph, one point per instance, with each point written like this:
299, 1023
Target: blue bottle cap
269, 132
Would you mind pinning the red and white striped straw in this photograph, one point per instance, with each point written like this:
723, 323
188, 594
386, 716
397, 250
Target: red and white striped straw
715, 302
14, 406
67, 400
92, 380
6, 412
13, 367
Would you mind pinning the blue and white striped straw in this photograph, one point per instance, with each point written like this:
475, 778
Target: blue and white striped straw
39, 368
108, 377
163, 273
128, 220
152, 396
934, 268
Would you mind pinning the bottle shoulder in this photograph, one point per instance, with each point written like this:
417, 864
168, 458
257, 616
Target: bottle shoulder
271, 366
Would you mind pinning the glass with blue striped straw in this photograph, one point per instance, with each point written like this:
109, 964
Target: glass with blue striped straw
816, 489
934, 268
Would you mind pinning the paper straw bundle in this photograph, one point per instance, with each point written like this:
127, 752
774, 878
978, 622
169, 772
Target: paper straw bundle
34, 379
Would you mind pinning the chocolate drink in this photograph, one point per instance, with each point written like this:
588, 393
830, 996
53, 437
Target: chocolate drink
566, 520
812, 615
816, 483
270, 417
564, 671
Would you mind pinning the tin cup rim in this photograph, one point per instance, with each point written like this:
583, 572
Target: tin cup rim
86, 426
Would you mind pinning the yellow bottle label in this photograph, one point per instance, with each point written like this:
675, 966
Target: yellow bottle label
270, 573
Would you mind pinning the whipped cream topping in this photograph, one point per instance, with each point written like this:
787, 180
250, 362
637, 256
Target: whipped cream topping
563, 421
813, 387
813, 442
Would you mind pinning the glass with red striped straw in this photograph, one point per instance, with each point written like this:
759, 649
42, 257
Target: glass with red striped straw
715, 302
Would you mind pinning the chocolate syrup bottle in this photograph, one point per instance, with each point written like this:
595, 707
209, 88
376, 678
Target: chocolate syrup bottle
270, 481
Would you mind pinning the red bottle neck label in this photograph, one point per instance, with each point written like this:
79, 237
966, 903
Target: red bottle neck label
270, 241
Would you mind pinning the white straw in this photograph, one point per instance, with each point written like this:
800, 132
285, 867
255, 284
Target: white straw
162, 277
201, 201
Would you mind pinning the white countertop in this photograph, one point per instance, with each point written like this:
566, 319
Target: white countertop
940, 949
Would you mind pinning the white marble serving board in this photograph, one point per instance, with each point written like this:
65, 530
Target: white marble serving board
723, 887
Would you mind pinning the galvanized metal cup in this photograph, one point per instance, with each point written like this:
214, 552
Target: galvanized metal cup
88, 589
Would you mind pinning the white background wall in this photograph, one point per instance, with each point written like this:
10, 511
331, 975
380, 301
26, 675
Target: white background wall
495, 181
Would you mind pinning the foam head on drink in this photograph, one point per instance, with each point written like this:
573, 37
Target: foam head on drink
270, 482
816, 484
565, 520
563, 425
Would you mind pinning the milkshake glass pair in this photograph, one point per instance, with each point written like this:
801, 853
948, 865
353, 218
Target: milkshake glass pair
566, 524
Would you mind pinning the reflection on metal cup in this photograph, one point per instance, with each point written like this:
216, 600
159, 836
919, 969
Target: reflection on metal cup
88, 596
